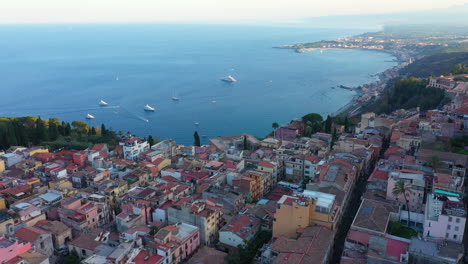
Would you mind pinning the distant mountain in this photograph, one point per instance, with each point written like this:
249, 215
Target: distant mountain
456, 15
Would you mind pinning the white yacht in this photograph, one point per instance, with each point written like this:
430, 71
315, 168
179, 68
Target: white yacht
175, 98
149, 108
88, 116
103, 103
229, 79
196, 123
214, 102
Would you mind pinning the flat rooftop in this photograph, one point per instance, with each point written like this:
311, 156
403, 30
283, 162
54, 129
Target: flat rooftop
374, 215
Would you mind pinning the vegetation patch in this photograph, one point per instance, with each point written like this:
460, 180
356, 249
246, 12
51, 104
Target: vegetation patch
399, 230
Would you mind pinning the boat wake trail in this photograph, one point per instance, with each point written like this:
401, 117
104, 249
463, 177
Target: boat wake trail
134, 116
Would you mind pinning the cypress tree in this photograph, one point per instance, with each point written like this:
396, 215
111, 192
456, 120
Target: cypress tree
103, 130
41, 134
328, 124
150, 140
196, 138
67, 129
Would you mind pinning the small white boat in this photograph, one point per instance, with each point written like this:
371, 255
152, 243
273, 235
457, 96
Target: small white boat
149, 108
229, 79
117, 78
175, 98
214, 102
103, 103
88, 116
196, 123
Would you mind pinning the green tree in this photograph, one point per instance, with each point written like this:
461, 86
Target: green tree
434, 162
54, 124
67, 129
313, 120
103, 130
401, 188
153, 230
72, 258
41, 134
80, 127
346, 124
460, 69
150, 140
196, 138
328, 124
93, 131
275, 126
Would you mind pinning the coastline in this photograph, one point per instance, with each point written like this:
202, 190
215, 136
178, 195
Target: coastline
367, 91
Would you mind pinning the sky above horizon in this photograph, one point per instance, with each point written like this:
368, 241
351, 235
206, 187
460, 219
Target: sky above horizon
92, 11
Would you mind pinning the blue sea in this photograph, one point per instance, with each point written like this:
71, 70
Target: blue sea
65, 70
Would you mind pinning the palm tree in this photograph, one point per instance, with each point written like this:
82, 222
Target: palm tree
402, 188
275, 126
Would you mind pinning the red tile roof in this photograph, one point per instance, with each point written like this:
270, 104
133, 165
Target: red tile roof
29, 234
266, 164
378, 174
242, 226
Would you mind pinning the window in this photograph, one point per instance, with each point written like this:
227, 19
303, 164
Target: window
449, 227
446, 235
456, 228
430, 224
42, 245
455, 236
450, 219
457, 220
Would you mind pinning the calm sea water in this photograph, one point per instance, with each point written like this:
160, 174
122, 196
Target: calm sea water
64, 70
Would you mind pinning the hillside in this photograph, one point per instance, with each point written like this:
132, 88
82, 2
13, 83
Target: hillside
406, 94
438, 64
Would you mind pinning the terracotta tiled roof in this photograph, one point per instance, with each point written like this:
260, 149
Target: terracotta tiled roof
29, 234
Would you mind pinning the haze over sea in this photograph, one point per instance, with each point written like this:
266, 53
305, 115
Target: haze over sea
65, 70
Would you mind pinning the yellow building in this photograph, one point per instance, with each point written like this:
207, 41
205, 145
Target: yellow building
36, 150
65, 186
2, 203
162, 163
296, 212
2, 165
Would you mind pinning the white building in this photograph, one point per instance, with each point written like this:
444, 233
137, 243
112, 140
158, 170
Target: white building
133, 147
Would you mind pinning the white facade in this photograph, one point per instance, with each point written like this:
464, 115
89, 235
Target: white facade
159, 215
229, 238
171, 172
309, 169
133, 148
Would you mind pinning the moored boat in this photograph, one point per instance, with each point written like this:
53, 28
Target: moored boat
149, 108
229, 79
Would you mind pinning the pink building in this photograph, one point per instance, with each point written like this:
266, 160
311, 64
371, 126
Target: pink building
444, 217
177, 242
10, 249
80, 213
286, 133
415, 180
134, 215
